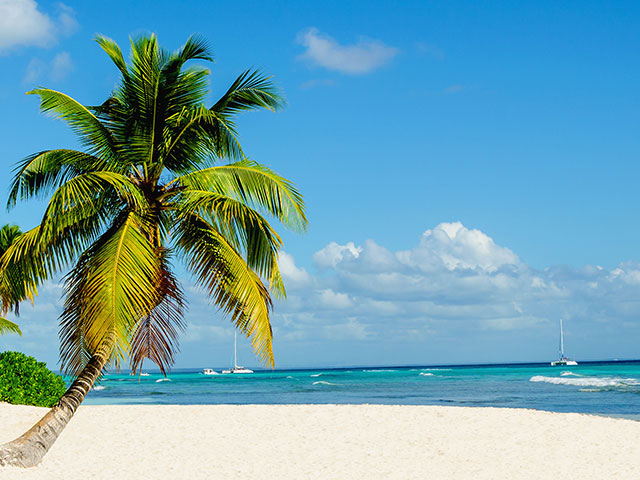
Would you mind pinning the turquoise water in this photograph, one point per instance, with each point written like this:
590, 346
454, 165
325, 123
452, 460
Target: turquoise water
597, 388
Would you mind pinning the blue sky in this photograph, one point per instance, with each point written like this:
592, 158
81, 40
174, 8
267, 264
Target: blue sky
469, 168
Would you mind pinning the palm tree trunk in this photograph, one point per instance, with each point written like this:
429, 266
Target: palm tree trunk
29, 449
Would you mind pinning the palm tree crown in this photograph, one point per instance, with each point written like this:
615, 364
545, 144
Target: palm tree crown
150, 187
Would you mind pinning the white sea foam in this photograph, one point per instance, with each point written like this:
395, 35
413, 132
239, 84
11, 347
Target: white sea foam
315, 375
436, 369
379, 370
427, 374
320, 382
163, 380
588, 381
570, 374
99, 387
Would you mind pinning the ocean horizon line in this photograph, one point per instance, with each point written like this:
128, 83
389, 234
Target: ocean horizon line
384, 367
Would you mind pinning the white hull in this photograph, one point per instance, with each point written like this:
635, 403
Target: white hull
208, 371
564, 363
237, 370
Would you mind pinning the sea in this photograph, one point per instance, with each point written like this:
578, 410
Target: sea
601, 388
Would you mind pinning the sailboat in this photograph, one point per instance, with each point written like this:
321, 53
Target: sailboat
236, 368
563, 361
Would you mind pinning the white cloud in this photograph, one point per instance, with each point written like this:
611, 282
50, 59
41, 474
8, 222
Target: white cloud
57, 69
457, 282
333, 254
293, 276
23, 24
363, 57
454, 247
329, 298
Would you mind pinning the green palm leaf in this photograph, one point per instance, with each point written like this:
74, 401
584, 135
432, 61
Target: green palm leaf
39, 174
227, 278
8, 327
255, 185
156, 335
93, 134
110, 290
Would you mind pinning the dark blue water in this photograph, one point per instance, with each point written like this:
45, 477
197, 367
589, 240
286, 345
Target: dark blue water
597, 388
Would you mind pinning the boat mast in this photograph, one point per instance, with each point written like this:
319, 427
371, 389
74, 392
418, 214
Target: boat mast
235, 347
561, 341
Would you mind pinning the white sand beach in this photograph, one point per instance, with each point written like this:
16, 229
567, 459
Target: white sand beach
329, 442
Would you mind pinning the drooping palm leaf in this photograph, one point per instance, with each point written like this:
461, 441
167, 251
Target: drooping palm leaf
111, 288
92, 133
156, 335
227, 278
8, 327
255, 185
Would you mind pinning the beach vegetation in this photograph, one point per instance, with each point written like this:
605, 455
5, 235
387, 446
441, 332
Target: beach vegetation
26, 381
162, 178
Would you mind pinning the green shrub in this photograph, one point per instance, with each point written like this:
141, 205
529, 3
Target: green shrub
25, 381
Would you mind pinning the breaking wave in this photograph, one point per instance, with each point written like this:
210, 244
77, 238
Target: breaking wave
599, 382
98, 388
163, 380
428, 374
323, 383
570, 374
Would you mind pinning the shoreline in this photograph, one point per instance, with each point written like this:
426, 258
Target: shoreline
329, 441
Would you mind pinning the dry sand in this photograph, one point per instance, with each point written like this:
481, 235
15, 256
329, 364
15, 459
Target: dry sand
329, 442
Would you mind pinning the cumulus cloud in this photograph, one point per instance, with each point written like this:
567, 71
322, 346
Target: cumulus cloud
457, 279
454, 247
333, 254
363, 57
293, 276
23, 24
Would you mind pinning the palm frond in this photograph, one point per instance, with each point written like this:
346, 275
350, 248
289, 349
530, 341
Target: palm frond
156, 335
8, 327
112, 49
84, 192
250, 91
93, 134
227, 278
255, 185
241, 226
40, 173
109, 290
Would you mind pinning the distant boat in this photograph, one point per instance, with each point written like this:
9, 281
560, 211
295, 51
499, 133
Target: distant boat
563, 361
236, 368
208, 371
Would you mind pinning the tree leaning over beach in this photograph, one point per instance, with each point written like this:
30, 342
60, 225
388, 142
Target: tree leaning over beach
150, 188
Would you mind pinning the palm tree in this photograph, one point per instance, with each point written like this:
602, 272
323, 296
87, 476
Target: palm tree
150, 188
8, 234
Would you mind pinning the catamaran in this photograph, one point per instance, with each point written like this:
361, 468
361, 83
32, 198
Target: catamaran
236, 368
563, 361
